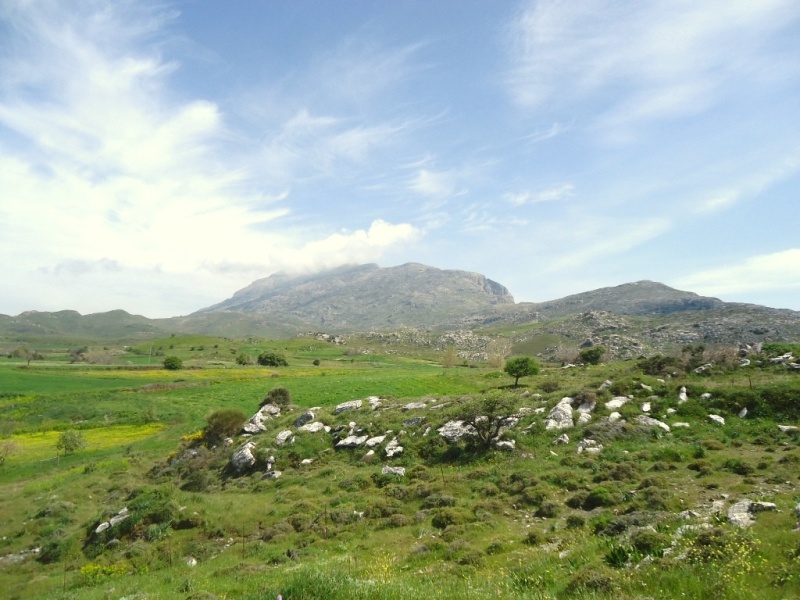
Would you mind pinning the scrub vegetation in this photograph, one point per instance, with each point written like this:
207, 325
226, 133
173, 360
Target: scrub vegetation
116, 479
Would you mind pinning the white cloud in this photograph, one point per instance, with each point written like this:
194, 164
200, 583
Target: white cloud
647, 60
779, 271
551, 194
435, 183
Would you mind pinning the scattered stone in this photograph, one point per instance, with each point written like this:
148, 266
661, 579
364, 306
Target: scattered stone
605, 385
243, 458
272, 474
119, 517
284, 437
587, 407
788, 428
191, 562
647, 387
617, 402
453, 431
589, 446
744, 362
506, 444
671, 411
347, 406
393, 449
739, 514
315, 427
560, 416
413, 422
306, 461
646, 407
374, 402
703, 368
397, 471
717, 419
680, 424
757, 507
706, 396
256, 422
584, 418
561, 440
743, 413
651, 422
305, 418
352, 441
614, 417
414, 406
682, 395
374, 441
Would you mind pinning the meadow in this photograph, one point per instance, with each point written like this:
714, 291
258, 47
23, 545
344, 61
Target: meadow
646, 517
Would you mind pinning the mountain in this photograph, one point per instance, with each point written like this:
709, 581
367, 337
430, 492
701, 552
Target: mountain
369, 297
629, 319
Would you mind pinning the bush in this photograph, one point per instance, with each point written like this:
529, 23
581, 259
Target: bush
70, 441
278, 396
223, 423
173, 363
592, 356
244, 359
271, 359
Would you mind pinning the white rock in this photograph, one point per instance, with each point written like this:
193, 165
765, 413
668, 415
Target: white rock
506, 444
347, 406
306, 461
605, 385
743, 413
616, 403
671, 411
352, 441
414, 406
680, 424
397, 471
647, 387
614, 417
374, 402
560, 416
453, 431
587, 407
651, 422
314, 427
717, 419
646, 407
584, 418
739, 514
562, 439
102, 527
374, 441
284, 437
393, 449
682, 395
191, 562
243, 458
705, 396
788, 428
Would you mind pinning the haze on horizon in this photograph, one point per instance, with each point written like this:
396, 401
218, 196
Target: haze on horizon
158, 156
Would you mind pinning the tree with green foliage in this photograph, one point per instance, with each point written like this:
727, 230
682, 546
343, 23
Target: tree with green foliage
222, 424
70, 441
592, 356
521, 366
173, 363
486, 414
272, 359
244, 359
278, 396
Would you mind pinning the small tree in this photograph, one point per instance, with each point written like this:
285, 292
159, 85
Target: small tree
272, 359
244, 359
223, 423
173, 363
592, 356
70, 441
521, 366
7, 449
278, 396
486, 414
450, 357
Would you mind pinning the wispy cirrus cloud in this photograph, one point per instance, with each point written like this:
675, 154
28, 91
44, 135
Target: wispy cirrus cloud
643, 61
764, 272
551, 194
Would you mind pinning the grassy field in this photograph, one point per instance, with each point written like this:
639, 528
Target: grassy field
538, 521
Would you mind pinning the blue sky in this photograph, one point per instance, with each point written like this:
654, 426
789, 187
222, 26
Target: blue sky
157, 157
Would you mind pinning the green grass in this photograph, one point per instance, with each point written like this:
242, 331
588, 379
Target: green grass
461, 524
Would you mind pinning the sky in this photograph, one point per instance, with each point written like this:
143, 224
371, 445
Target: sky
158, 156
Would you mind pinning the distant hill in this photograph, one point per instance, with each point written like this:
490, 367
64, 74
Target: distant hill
369, 297
629, 319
